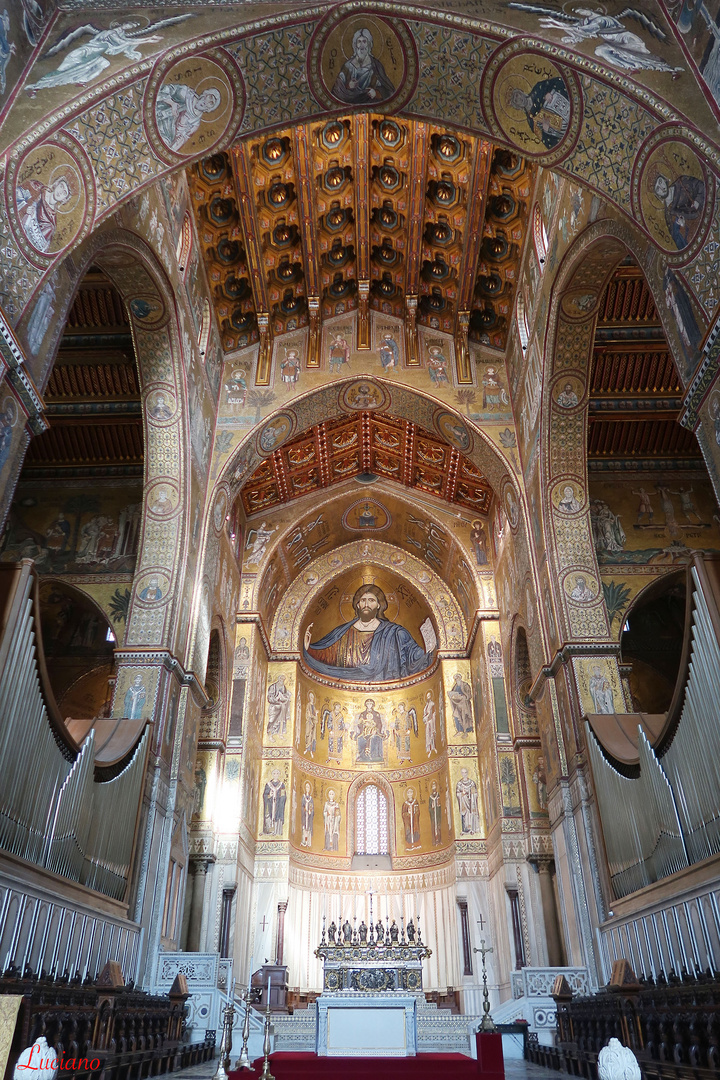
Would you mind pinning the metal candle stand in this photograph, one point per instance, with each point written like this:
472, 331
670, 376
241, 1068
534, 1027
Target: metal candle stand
266, 1074
487, 1023
226, 1042
243, 1062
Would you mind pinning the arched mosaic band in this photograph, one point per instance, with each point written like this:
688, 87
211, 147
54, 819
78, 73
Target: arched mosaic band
285, 633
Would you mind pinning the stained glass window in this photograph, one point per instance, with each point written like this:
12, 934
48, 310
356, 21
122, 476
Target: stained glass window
371, 822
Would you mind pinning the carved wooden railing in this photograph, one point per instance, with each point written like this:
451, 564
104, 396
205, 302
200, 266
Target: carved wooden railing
101, 1029
672, 1025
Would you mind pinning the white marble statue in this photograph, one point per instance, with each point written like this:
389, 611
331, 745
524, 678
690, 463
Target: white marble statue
617, 1062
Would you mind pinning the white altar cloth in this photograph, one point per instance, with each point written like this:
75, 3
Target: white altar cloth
366, 1025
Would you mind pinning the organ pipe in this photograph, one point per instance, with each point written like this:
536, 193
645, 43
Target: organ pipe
669, 816
52, 811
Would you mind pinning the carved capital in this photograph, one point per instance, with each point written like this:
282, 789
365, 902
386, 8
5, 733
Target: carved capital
542, 864
200, 864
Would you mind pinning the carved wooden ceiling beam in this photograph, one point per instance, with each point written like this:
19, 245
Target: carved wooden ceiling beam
248, 223
307, 209
470, 256
361, 162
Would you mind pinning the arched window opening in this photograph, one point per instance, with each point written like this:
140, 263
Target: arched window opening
184, 243
205, 329
540, 235
371, 822
213, 675
522, 322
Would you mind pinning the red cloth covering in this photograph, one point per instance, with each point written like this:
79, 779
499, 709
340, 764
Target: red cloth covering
312, 1067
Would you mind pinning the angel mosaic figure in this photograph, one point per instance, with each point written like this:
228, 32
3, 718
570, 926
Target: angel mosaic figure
88, 61
620, 48
430, 721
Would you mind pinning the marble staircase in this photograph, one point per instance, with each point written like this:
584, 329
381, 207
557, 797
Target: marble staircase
532, 998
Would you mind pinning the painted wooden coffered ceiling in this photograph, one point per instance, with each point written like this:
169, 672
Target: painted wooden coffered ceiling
366, 445
635, 394
92, 398
401, 217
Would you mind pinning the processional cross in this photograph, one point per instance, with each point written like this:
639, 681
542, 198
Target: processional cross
487, 1023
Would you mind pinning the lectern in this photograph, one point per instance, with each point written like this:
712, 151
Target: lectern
274, 976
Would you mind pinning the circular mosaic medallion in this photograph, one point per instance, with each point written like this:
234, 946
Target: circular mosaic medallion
531, 102
275, 432
673, 194
220, 509
51, 197
148, 310
568, 497
153, 586
568, 392
366, 515
360, 59
363, 395
451, 428
161, 406
191, 103
162, 499
581, 587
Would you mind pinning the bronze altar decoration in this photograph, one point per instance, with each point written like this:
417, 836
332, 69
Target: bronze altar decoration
372, 959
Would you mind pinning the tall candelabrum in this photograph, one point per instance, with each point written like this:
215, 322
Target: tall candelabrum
226, 1042
266, 1074
487, 1023
243, 1062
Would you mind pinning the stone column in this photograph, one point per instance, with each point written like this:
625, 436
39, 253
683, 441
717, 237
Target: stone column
465, 928
544, 866
227, 898
513, 897
199, 866
282, 908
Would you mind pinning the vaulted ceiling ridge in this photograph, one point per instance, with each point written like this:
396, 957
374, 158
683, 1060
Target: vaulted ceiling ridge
366, 443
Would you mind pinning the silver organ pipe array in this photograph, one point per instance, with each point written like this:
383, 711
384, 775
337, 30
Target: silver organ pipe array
52, 811
669, 816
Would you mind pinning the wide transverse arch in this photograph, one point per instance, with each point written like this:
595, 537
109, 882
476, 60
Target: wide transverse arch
616, 133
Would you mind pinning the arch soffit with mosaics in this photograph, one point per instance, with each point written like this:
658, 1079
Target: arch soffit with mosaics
293, 608
309, 507
119, 253
510, 35
585, 270
322, 403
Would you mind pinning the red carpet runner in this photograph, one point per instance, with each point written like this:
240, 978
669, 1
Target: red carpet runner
312, 1067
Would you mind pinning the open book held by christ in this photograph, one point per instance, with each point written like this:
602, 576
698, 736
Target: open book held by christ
370, 648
